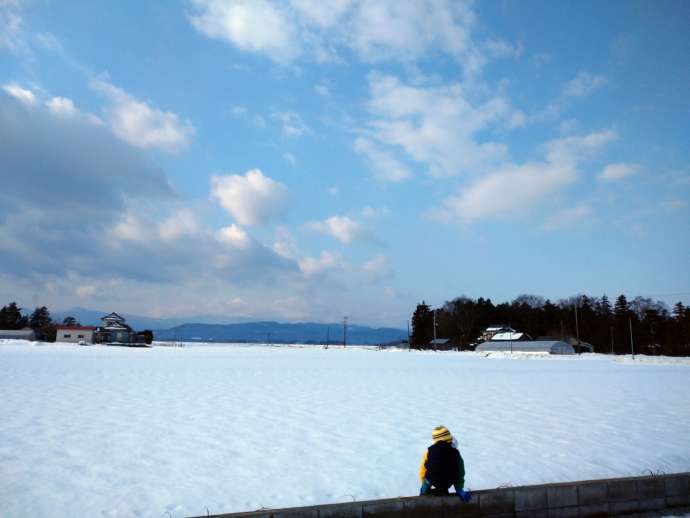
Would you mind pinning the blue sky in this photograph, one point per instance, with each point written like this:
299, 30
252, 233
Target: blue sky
305, 160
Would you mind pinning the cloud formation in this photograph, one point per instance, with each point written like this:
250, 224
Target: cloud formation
325, 31
436, 126
105, 215
515, 189
10, 24
138, 124
583, 84
251, 25
251, 199
23, 95
343, 228
616, 172
385, 167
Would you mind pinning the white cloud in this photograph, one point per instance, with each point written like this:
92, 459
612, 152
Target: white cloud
65, 108
333, 191
62, 106
86, 291
323, 14
374, 31
386, 168
47, 41
615, 172
251, 25
133, 228
10, 24
583, 84
289, 158
252, 198
326, 262
568, 217
502, 49
322, 90
374, 212
343, 228
438, 126
568, 126
138, 124
514, 189
238, 111
292, 123
285, 245
378, 268
23, 95
233, 236
181, 223
390, 29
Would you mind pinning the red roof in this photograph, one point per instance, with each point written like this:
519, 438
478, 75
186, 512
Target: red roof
78, 328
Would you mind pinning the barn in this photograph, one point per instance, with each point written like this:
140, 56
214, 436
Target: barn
537, 346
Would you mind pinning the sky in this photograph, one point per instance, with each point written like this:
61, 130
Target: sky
302, 160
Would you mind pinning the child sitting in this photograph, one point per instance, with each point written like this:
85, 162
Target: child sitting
442, 466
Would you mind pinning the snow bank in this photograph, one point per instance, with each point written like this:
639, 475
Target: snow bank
110, 431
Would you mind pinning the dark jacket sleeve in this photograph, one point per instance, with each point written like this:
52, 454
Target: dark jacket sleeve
461, 471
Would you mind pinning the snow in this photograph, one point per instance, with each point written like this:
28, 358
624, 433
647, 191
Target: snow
177, 431
498, 337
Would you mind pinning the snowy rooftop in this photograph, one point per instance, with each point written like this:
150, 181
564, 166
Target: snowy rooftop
507, 336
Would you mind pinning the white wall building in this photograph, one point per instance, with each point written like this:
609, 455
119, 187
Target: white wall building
75, 334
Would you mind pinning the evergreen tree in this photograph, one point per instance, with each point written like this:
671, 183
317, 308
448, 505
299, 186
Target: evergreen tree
678, 310
621, 308
605, 306
40, 319
42, 324
422, 326
11, 317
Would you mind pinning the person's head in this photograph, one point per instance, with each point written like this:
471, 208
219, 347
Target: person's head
441, 433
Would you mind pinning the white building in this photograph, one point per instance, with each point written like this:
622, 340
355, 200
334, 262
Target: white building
75, 334
537, 346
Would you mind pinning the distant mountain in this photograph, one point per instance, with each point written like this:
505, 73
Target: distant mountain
93, 317
207, 329
276, 332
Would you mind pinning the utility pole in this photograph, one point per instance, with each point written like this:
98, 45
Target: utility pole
611, 339
577, 327
632, 344
434, 329
328, 335
344, 331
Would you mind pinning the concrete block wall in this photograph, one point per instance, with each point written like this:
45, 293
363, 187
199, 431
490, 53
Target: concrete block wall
653, 495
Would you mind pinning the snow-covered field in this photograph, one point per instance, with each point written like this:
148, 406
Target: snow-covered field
106, 431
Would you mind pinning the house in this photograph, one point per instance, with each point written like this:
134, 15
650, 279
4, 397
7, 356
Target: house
510, 336
18, 334
490, 331
75, 334
115, 330
535, 346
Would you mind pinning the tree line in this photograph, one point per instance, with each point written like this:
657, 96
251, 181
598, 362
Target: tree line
656, 329
40, 321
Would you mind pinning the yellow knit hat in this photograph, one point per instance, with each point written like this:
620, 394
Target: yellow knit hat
441, 433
